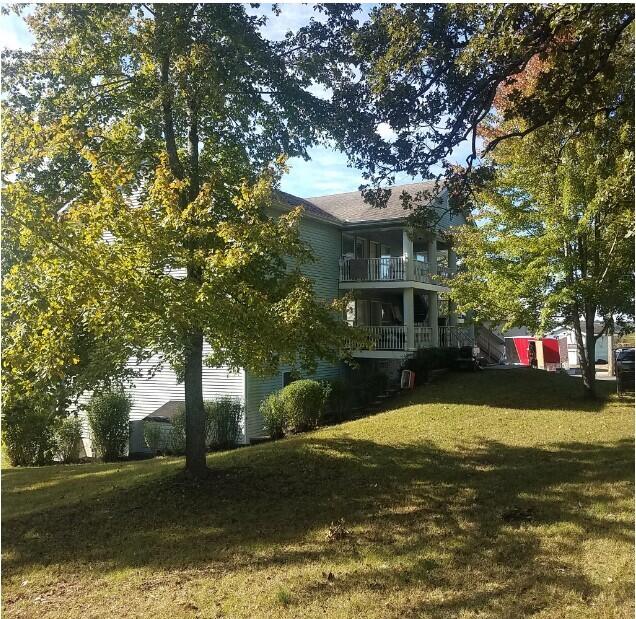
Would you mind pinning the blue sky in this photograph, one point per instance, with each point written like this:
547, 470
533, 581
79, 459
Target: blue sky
327, 171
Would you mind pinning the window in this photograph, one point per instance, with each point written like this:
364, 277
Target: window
289, 377
348, 246
361, 248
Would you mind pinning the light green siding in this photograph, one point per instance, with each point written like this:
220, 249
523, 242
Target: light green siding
324, 240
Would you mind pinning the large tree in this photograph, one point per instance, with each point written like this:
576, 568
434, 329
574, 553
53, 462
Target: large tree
554, 236
142, 147
429, 75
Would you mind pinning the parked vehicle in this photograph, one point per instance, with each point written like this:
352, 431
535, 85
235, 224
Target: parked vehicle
625, 370
625, 360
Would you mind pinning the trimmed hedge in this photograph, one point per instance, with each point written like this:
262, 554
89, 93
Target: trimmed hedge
108, 415
296, 408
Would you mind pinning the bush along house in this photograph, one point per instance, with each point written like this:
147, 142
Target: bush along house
395, 276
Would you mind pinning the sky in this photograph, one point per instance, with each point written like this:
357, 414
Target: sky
327, 171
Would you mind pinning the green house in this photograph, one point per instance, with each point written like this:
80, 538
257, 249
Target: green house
396, 276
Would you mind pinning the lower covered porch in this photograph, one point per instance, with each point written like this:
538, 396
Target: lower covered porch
403, 321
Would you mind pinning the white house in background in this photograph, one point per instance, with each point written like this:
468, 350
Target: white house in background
601, 350
396, 275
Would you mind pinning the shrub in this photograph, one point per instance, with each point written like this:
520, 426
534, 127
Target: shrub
108, 419
222, 425
340, 400
154, 436
176, 442
223, 422
273, 414
68, 439
366, 385
28, 431
303, 405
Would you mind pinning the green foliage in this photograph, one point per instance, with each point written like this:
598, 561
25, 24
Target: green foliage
427, 360
168, 129
366, 385
339, 400
273, 413
108, 414
296, 408
68, 439
554, 242
431, 73
303, 402
177, 440
224, 416
155, 436
28, 433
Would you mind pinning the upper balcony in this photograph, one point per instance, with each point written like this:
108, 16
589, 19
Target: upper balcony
395, 257
390, 269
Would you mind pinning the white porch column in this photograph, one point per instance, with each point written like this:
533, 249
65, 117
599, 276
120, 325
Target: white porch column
452, 261
432, 318
432, 256
407, 253
452, 269
409, 317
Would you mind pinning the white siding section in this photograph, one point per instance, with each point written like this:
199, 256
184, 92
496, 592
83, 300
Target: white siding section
150, 393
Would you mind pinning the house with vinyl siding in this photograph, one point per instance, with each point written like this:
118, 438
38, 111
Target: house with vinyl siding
395, 275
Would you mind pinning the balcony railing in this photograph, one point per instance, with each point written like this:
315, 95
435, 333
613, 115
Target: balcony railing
386, 338
394, 337
386, 269
373, 269
423, 337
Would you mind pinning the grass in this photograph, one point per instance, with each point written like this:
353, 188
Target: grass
496, 494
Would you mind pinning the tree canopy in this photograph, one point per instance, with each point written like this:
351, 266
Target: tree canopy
432, 73
143, 147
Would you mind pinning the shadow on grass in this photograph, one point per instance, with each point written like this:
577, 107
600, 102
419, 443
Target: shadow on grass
441, 519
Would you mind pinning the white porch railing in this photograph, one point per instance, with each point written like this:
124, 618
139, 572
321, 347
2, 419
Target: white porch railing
423, 337
373, 269
386, 338
421, 272
394, 337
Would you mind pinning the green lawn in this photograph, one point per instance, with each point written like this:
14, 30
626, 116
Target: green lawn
496, 494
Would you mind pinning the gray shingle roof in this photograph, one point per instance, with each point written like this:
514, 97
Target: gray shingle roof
351, 207
292, 201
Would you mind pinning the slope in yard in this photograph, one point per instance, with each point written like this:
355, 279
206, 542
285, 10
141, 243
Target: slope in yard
496, 494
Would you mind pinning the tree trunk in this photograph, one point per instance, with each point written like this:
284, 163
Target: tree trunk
581, 344
193, 344
195, 413
589, 374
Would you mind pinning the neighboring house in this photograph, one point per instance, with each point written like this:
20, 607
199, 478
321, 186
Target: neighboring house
600, 350
395, 275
